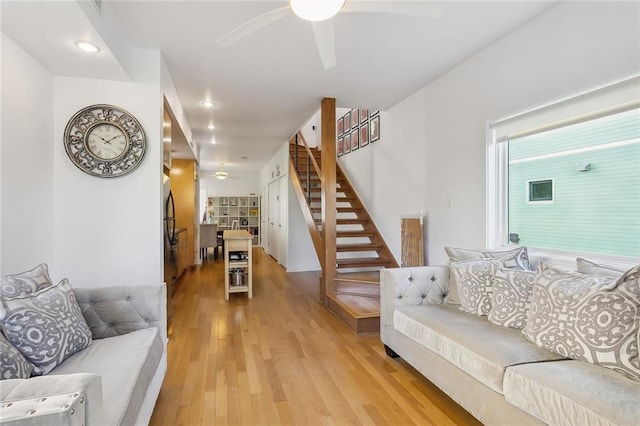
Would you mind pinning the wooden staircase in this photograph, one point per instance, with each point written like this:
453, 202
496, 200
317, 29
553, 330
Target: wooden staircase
360, 249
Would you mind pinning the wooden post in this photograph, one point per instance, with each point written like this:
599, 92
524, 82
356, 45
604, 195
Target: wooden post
328, 169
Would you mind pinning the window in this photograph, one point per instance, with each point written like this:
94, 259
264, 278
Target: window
539, 191
571, 184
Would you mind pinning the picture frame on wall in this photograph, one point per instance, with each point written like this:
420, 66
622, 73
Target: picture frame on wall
364, 134
355, 139
347, 143
372, 113
340, 126
346, 126
340, 147
364, 116
374, 132
354, 118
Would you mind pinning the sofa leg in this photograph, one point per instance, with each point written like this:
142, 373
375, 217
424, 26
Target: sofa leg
390, 352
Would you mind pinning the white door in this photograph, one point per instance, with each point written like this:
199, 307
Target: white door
264, 229
273, 218
283, 190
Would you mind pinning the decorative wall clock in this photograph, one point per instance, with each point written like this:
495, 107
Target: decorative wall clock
105, 141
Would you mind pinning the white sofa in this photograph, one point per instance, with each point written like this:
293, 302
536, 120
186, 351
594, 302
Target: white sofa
494, 372
115, 380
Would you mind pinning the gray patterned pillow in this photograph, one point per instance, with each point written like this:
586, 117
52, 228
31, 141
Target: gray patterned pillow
517, 258
510, 297
587, 317
13, 365
25, 283
475, 282
47, 327
587, 267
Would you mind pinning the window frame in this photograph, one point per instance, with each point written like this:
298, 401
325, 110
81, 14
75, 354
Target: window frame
527, 191
497, 192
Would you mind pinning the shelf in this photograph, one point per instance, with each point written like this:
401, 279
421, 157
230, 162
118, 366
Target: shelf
224, 210
236, 264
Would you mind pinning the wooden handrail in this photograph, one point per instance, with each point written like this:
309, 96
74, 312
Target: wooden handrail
316, 237
300, 137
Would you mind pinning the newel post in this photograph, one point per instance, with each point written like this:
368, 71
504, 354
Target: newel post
328, 169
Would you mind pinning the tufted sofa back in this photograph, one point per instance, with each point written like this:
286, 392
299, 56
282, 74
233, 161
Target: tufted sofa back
112, 311
424, 285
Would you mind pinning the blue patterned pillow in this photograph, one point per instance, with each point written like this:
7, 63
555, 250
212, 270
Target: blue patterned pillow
13, 365
25, 283
47, 327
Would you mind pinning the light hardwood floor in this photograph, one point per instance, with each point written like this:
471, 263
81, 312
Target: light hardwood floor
282, 359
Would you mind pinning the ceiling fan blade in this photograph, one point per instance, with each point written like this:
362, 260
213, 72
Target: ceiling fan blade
325, 40
423, 8
253, 25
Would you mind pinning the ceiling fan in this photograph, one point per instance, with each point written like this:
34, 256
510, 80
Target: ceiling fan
320, 12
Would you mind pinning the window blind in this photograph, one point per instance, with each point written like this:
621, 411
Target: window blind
611, 99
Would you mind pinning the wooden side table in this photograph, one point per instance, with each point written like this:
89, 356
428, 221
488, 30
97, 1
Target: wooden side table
241, 242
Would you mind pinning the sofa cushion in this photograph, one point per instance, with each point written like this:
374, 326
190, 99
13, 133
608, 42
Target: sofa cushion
587, 317
517, 258
126, 363
47, 327
573, 393
25, 283
13, 364
470, 342
510, 297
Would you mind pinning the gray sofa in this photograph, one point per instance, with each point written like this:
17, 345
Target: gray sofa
494, 372
115, 380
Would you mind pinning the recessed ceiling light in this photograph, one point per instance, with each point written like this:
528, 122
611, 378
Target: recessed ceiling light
211, 126
207, 104
87, 47
213, 141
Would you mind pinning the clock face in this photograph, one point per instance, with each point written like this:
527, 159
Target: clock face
105, 141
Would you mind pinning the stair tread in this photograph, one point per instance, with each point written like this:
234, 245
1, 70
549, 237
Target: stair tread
359, 247
351, 221
363, 261
358, 306
358, 233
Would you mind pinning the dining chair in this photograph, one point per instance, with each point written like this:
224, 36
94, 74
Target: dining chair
208, 238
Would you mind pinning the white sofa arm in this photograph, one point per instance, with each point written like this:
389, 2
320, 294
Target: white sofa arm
112, 311
410, 287
68, 399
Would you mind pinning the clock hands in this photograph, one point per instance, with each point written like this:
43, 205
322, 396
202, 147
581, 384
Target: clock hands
109, 141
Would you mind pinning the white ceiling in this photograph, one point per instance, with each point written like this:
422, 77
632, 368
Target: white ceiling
268, 84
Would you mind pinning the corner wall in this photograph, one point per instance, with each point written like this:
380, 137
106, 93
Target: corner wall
109, 231
26, 171
432, 150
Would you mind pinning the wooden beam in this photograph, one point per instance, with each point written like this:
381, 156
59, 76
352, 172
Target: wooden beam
328, 195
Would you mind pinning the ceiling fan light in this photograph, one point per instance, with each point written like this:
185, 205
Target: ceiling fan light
316, 10
221, 175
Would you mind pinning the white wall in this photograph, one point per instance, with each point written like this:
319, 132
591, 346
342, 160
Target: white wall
431, 154
109, 231
26, 171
